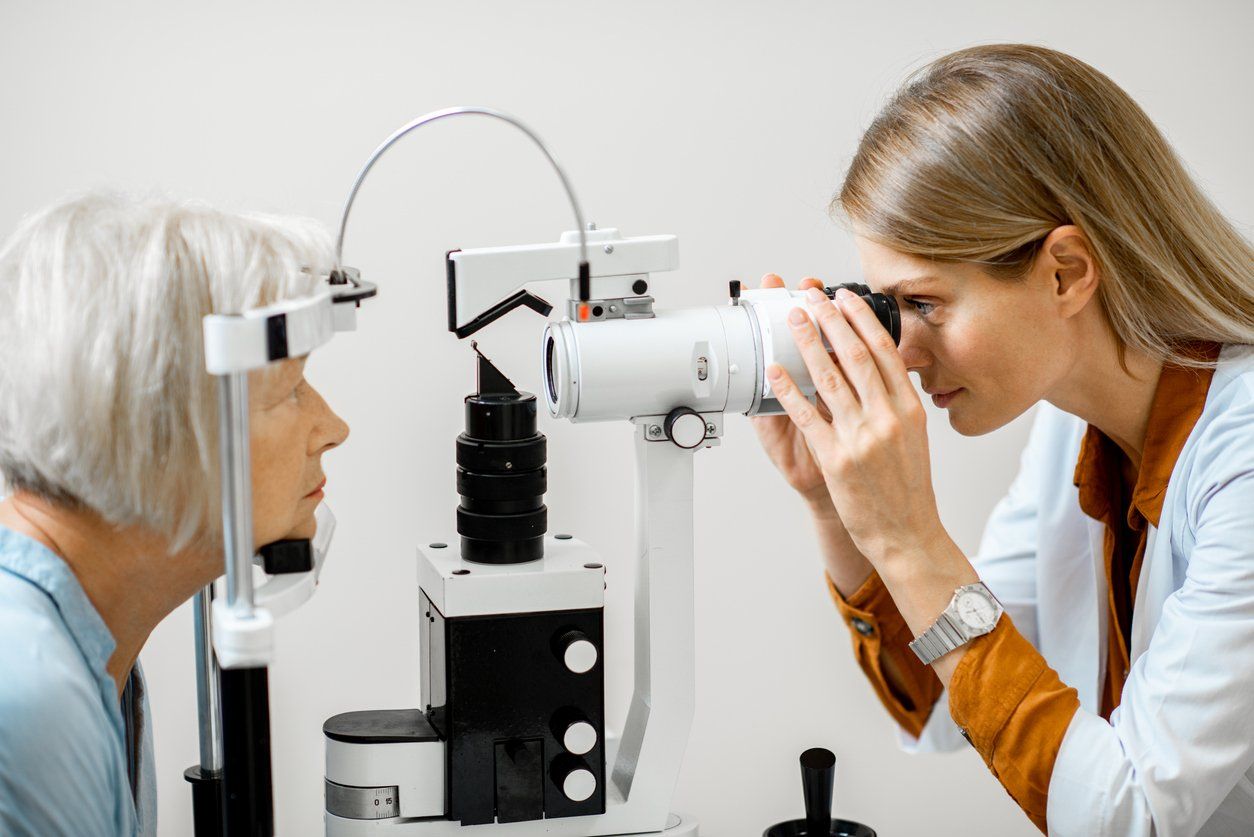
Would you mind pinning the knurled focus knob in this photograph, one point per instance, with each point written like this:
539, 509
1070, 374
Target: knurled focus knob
685, 427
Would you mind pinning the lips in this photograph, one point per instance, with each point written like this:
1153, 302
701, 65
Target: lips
319, 487
934, 391
942, 398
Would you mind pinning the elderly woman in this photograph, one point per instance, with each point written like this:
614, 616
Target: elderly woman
108, 445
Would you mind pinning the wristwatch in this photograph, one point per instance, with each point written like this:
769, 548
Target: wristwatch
972, 612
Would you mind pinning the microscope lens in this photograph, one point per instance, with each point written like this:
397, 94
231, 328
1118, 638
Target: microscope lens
501, 474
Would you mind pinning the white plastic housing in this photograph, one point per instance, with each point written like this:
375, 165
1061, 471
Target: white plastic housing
711, 359
415, 767
770, 307
243, 342
568, 577
486, 275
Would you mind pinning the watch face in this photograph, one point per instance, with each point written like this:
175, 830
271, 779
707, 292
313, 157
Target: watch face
976, 611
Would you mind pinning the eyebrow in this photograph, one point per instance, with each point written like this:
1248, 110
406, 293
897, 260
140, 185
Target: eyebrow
906, 286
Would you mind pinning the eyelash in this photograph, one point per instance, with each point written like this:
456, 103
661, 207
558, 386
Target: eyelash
920, 308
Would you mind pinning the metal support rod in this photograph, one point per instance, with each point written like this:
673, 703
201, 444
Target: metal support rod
659, 718
237, 513
438, 115
207, 685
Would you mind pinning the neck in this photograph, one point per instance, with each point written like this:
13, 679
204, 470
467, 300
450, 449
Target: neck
1113, 397
128, 573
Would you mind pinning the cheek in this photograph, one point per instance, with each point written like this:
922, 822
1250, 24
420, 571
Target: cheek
1002, 365
989, 349
278, 468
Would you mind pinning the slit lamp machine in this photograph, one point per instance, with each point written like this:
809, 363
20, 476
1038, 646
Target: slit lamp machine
509, 735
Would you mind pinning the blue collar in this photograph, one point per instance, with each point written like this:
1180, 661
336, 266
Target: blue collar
31, 560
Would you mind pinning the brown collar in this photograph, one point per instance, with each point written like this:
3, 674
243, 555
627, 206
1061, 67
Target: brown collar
1178, 401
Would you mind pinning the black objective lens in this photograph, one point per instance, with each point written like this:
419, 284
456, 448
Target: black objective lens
501, 474
884, 306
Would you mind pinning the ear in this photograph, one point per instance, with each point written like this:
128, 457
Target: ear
1066, 259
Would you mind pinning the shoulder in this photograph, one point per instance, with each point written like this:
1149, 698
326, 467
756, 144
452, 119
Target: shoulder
1218, 458
1232, 387
1223, 438
56, 736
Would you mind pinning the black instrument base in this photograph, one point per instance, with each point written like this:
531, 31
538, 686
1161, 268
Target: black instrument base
840, 828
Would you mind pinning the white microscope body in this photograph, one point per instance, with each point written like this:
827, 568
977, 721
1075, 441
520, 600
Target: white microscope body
395, 778
674, 374
512, 734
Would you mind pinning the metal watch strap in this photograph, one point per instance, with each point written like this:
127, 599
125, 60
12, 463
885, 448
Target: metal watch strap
946, 633
938, 640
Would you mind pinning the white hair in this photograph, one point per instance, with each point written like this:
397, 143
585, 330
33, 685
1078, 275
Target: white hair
104, 398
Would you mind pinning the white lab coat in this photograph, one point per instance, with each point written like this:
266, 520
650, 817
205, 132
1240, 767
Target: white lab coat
1177, 756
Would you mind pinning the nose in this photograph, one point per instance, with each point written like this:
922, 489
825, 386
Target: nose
914, 352
329, 430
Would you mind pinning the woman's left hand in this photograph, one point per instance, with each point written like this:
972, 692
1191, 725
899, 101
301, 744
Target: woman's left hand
874, 450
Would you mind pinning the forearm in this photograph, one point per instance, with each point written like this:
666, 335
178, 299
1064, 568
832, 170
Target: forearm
847, 567
922, 578
906, 687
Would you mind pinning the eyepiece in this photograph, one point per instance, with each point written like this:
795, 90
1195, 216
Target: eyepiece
884, 306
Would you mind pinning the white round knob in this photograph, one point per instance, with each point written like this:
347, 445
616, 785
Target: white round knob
579, 785
685, 427
580, 738
580, 656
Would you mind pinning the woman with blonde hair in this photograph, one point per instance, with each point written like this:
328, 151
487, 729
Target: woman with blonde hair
1045, 245
108, 444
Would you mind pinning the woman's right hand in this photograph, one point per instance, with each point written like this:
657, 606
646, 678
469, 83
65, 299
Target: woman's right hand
786, 446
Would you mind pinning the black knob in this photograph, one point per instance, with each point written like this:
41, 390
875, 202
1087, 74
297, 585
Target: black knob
818, 774
734, 288
685, 427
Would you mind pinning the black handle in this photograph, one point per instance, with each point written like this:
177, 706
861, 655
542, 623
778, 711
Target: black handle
247, 801
818, 775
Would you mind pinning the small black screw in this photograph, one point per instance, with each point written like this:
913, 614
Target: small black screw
639, 287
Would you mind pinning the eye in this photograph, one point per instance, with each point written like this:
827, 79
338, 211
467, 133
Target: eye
920, 307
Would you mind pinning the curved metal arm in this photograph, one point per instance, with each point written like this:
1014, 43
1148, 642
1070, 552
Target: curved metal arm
435, 116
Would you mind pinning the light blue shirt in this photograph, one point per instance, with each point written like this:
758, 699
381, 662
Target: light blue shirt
74, 760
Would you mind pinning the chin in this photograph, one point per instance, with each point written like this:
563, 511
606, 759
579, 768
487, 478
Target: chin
306, 526
974, 422
968, 423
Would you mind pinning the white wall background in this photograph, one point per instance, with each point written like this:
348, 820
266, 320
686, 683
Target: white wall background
726, 123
